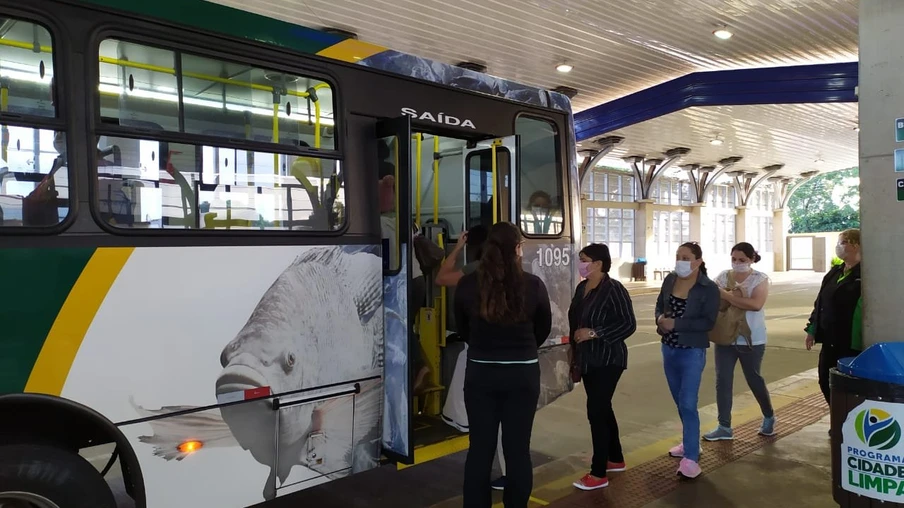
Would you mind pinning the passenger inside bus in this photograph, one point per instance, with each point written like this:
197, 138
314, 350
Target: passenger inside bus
538, 216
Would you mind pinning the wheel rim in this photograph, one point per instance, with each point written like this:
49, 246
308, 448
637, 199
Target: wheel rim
25, 500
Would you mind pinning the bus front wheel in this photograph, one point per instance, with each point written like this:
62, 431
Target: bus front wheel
40, 476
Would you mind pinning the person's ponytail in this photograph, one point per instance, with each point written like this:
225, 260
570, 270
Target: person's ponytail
500, 276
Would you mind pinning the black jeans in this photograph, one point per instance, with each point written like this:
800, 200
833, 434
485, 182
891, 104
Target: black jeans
600, 383
495, 394
828, 359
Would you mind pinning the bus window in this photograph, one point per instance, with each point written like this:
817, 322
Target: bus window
218, 97
138, 85
540, 179
480, 186
34, 173
168, 185
27, 74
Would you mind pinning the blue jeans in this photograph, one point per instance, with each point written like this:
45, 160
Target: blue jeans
683, 371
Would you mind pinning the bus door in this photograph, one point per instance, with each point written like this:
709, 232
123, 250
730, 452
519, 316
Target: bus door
394, 167
489, 169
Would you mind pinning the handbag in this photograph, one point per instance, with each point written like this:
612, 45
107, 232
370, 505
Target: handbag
731, 322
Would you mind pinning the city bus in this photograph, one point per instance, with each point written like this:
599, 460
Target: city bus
206, 228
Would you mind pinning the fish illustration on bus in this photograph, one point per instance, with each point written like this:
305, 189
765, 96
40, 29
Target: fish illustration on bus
318, 325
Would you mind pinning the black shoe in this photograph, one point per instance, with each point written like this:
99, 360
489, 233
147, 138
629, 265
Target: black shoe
498, 483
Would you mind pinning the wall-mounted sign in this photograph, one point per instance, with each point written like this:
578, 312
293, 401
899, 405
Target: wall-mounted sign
900, 189
899, 160
899, 130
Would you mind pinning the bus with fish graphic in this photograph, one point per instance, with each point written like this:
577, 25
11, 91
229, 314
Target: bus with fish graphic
207, 224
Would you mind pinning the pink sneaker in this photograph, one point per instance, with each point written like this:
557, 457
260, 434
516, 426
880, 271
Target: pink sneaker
677, 451
689, 469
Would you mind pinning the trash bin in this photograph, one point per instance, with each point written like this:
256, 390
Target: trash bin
867, 417
639, 270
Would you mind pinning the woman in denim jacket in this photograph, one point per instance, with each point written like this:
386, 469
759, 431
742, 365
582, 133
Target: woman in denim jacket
686, 311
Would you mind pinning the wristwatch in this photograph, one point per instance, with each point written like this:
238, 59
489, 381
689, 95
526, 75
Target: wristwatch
593, 334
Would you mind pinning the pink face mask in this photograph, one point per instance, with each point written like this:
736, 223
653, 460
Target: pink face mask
584, 269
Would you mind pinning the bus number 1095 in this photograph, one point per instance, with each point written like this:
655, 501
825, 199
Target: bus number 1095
553, 256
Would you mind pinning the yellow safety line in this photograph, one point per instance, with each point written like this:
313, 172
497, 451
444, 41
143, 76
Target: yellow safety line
438, 450
71, 325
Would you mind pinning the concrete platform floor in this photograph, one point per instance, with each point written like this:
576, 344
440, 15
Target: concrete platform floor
647, 416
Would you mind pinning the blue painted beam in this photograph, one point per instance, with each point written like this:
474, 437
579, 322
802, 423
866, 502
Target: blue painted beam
775, 85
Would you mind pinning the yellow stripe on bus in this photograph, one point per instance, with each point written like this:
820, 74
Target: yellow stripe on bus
351, 50
71, 324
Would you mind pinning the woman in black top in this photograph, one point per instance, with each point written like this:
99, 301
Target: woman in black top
504, 315
601, 317
835, 321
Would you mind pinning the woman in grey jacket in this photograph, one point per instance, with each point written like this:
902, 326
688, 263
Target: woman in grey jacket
686, 311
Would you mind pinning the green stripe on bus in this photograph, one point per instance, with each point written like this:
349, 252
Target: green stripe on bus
36, 283
226, 20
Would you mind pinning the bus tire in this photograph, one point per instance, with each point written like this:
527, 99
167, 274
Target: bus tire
60, 476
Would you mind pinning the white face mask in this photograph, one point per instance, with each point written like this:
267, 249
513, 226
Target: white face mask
741, 267
683, 268
839, 251
539, 211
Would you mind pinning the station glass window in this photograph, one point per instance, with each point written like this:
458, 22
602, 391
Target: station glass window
261, 176
670, 229
613, 227
541, 199
609, 186
671, 191
34, 169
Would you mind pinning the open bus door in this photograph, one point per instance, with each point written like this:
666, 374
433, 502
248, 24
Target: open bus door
490, 168
394, 165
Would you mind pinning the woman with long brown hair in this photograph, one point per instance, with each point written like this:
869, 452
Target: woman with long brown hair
504, 315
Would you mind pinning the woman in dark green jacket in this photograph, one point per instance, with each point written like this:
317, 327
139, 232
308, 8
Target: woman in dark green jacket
836, 320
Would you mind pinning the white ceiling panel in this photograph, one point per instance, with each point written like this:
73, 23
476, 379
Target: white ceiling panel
798, 136
617, 47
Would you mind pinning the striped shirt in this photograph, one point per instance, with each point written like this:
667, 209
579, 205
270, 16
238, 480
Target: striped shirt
608, 311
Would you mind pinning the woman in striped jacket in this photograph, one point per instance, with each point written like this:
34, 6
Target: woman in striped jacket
601, 317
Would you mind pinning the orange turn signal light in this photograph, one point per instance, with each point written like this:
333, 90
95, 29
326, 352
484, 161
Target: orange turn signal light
190, 446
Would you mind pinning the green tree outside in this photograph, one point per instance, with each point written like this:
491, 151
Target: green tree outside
829, 202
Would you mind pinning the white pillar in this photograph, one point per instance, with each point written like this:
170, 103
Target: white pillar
643, 231
881, 96
741, 225
779, 235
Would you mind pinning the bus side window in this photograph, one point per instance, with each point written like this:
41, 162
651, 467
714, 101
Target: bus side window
273, 183
541, 199
34, 172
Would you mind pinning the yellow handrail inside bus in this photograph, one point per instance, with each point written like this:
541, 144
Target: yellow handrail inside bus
197, 75
418, 142
24, 45
441, 240
496, 142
